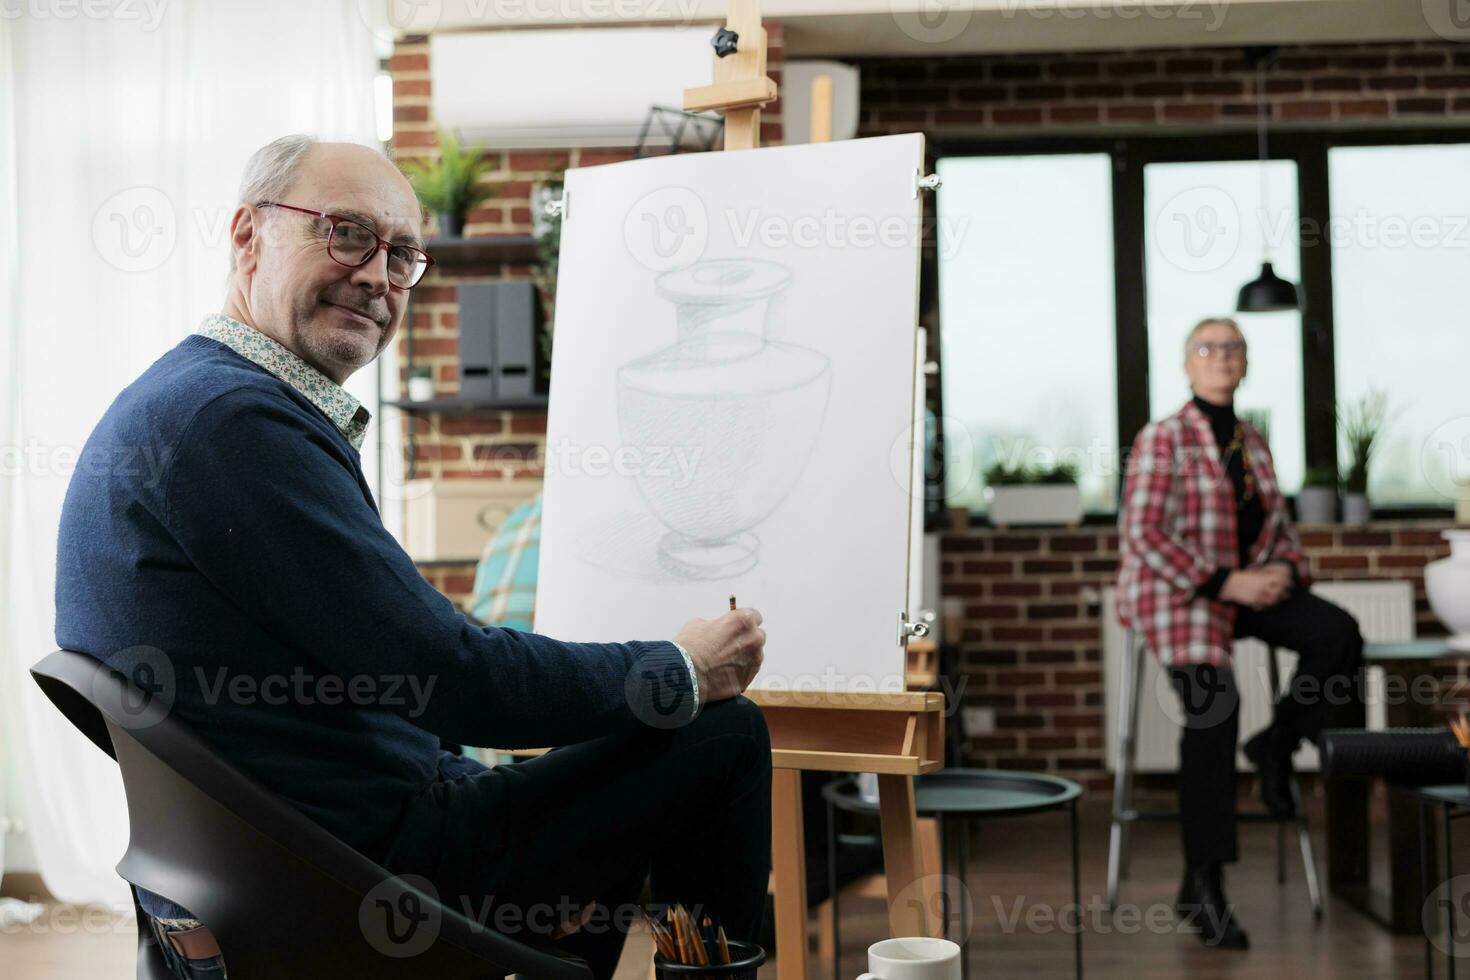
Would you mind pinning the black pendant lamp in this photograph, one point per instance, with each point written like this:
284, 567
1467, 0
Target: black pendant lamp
1268, 292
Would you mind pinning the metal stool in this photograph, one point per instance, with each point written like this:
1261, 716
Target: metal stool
1124, 812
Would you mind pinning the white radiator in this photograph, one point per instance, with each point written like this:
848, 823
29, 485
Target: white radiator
1385, 613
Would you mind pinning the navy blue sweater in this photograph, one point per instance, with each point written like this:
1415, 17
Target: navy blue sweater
220, 519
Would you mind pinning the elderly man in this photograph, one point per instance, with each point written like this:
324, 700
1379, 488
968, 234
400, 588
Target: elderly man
257, 554
1209, 554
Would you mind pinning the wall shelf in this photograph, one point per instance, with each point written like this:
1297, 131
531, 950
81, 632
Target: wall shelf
467, 406
477, 256
481, 254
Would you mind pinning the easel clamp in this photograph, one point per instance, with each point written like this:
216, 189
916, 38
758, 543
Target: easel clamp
925, 182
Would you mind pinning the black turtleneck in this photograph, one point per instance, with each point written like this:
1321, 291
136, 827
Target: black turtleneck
1250, 516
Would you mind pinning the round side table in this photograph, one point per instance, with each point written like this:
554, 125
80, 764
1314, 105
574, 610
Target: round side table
956, 797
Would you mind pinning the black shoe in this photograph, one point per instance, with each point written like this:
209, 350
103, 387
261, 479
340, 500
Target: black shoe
1202, 906
1271, 756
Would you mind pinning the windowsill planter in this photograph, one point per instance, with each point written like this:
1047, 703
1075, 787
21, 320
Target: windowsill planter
1316, 505
1032, 504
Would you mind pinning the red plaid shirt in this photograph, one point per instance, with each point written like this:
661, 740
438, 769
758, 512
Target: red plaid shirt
1177, 526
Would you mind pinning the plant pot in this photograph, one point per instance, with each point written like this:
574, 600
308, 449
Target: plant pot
451, 225
1462, 502
1316, 505
420, 389
1035, 503
959, 518
1447, 583
1355, 510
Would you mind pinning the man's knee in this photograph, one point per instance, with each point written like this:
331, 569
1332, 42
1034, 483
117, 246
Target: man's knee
740, 717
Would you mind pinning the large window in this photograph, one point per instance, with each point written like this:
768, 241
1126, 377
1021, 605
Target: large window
1400, 267
1070, 271
1207, 227
1027, 319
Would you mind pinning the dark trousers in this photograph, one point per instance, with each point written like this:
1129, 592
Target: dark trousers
523, 847
1325, 692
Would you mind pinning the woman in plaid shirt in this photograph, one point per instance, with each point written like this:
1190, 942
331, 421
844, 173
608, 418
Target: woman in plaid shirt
1208, 555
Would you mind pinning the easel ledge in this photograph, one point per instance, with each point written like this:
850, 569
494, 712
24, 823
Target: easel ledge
893, 734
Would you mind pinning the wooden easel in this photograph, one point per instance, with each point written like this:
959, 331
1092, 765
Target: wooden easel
897, 736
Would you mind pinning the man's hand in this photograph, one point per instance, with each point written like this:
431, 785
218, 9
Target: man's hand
727, 652
1258, 588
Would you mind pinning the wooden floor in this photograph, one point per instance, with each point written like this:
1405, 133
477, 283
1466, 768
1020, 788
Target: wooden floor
1021, 867
1018, 875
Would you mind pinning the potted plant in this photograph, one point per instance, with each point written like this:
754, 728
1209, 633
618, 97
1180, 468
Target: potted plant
1361, 423
1024, 495
420, 383
451, 186
1316, 502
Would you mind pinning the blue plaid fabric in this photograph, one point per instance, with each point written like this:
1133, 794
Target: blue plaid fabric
505, 579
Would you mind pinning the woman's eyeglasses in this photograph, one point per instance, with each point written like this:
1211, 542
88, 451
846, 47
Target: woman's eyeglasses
353, 244
1230, 348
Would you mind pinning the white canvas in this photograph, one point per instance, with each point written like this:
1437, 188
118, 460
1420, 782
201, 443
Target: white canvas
732, 402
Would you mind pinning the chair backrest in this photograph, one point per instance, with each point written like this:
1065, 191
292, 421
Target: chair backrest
283, 897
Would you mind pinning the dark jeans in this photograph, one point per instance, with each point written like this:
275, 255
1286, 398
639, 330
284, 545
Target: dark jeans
523, 847
1325, 692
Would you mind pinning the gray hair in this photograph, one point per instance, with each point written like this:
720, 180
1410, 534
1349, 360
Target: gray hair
1210, 321
271, 170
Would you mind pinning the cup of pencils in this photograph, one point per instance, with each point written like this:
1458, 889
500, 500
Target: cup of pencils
1461, 727
699, 949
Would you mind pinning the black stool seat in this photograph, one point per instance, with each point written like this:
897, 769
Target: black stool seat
976, 792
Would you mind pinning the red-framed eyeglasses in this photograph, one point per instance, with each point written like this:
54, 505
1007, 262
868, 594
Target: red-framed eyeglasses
353, 244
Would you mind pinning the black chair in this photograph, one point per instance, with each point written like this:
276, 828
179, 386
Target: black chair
283, 897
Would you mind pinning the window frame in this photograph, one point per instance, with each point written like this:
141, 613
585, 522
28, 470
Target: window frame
1130, 153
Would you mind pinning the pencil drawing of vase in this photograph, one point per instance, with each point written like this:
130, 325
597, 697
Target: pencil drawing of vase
744, 406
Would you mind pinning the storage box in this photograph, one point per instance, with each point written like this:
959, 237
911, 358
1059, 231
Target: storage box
448, 520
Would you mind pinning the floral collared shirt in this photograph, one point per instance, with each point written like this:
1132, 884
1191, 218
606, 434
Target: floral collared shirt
348, 414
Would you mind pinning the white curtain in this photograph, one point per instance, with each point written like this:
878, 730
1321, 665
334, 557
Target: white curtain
122, 140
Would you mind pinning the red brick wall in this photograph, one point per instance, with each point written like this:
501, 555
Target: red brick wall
1340, 84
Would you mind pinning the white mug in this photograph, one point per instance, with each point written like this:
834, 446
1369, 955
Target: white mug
913, 958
